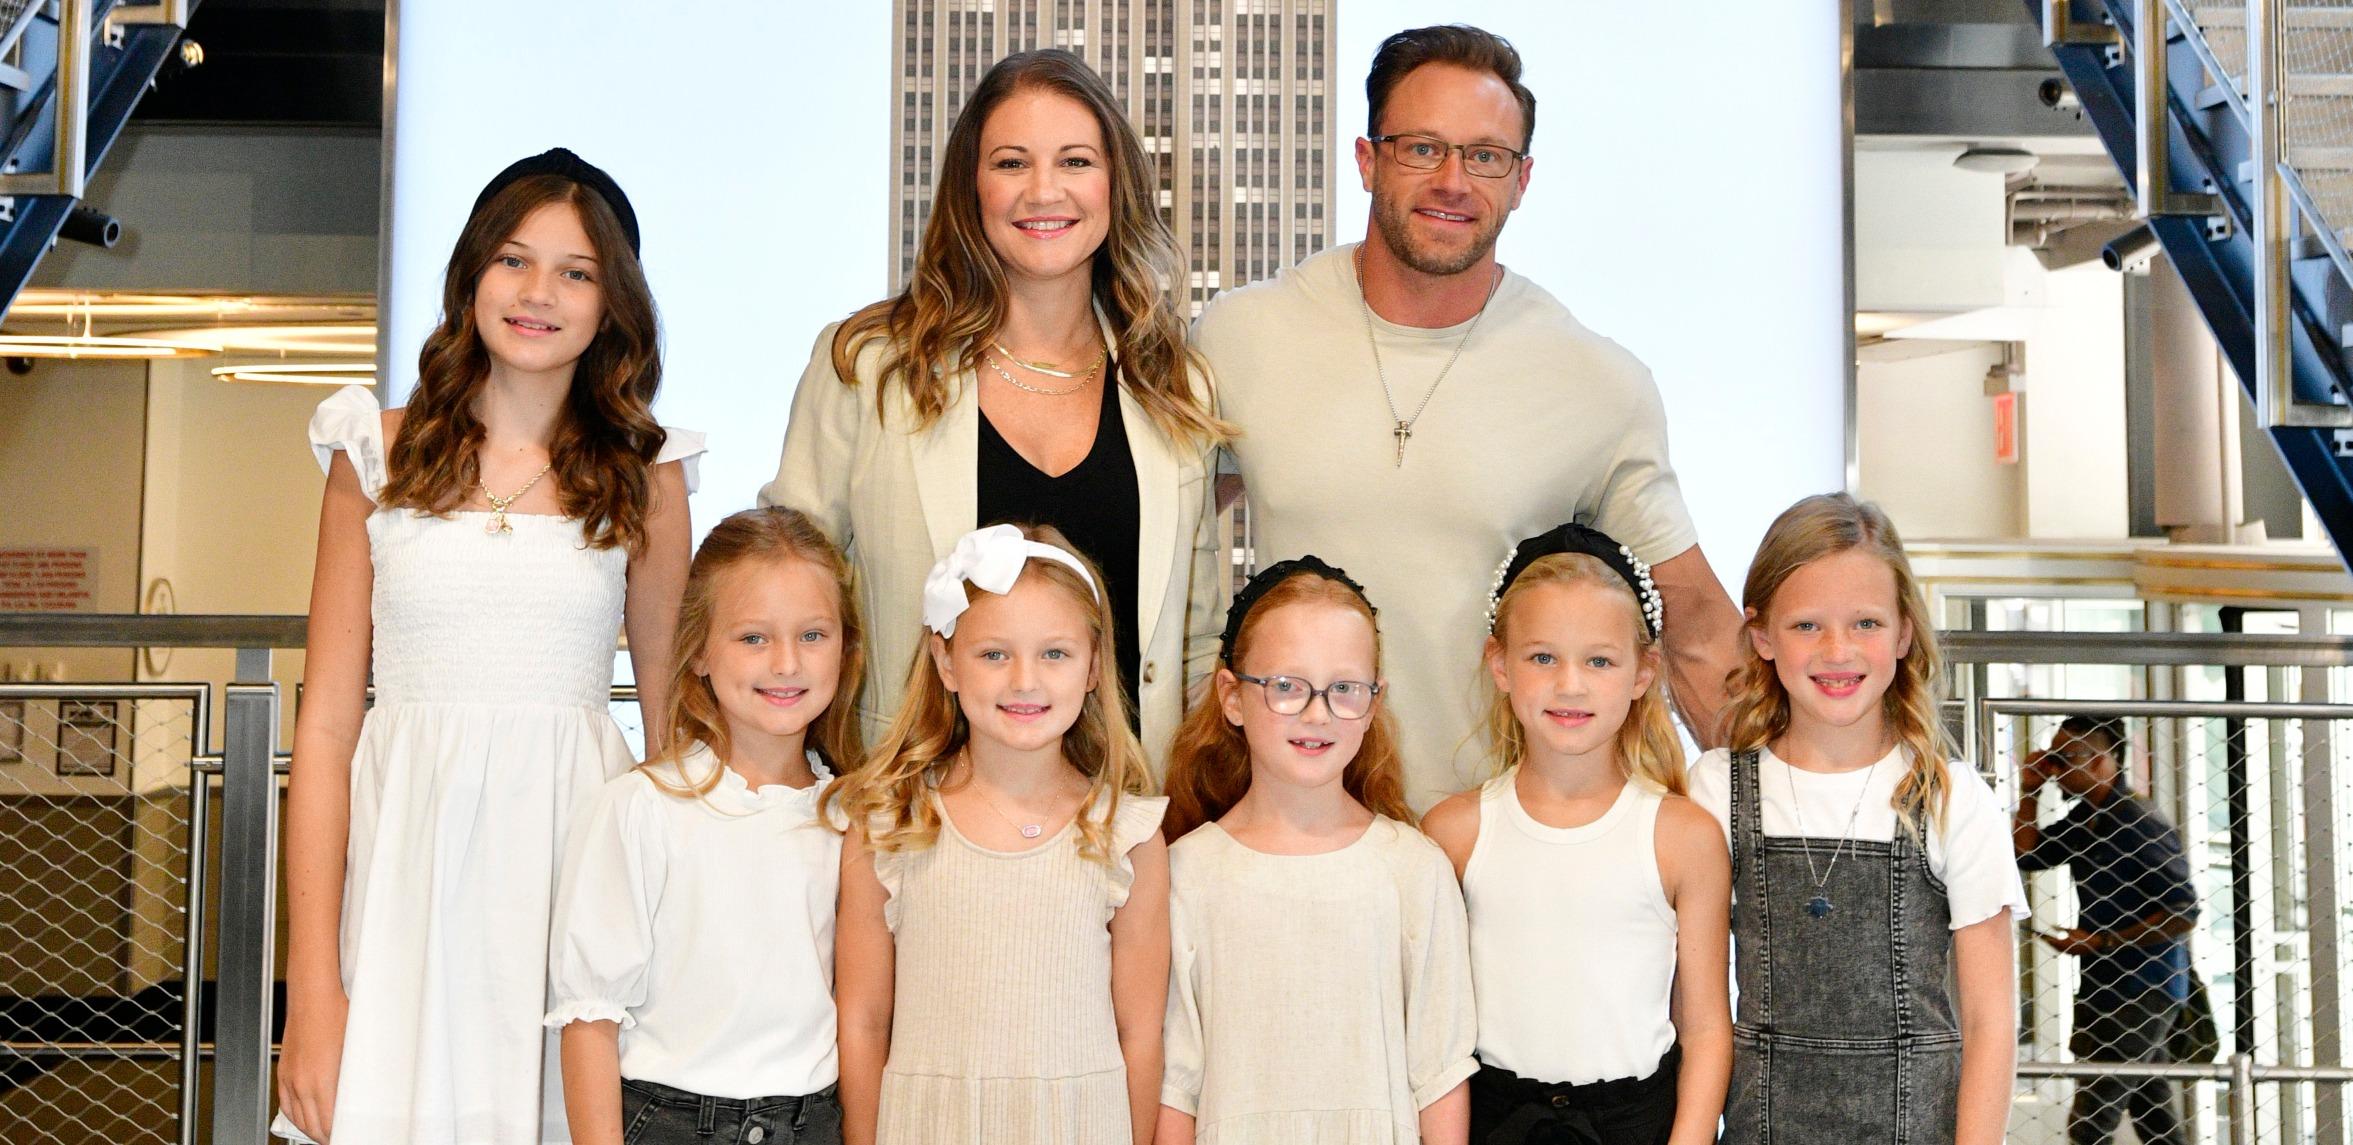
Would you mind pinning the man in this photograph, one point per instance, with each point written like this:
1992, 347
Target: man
1410, 409
2134, 904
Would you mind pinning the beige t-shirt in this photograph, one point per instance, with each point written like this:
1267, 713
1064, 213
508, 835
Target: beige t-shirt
1540, 421
1322, 998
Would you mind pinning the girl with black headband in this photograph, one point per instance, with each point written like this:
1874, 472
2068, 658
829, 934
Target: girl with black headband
1598, 894
479, 552
1319, 983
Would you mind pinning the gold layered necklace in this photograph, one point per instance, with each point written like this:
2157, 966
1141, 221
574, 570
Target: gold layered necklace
1050, 369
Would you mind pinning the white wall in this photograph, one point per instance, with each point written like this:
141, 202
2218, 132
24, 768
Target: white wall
1685, 201
70, 476
2073, 409
752, 137
1928, 236
1927, 446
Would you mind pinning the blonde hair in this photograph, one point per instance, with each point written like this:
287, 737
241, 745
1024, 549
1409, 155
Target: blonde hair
1209, 760
889, 798
1646, 744
754, 537
934, 328
1826, 525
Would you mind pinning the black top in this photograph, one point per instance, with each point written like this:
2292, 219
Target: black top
1095, 504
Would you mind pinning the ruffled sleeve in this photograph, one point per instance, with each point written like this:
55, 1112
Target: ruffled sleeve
351, 421
890, 869
1138, 819
685, 446
602, 938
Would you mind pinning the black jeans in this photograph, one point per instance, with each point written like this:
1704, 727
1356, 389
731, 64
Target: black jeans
654, 1114
2131, 1030
1507, 1109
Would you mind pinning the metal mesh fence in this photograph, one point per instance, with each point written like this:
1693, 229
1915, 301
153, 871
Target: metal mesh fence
2214, 870
95, 822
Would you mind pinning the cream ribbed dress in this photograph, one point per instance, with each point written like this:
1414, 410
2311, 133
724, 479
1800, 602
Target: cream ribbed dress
1001, 1021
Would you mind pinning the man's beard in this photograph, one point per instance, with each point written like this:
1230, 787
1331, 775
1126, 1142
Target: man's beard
1395, 221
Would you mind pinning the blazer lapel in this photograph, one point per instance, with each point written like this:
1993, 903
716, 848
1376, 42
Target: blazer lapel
1157, 478
947, 463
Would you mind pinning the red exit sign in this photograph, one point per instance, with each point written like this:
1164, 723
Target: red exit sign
2006, 428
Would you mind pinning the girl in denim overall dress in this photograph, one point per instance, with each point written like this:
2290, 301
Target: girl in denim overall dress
1865, 866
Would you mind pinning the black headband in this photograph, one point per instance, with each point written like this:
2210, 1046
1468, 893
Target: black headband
1266, 579
562, 163
1576, 538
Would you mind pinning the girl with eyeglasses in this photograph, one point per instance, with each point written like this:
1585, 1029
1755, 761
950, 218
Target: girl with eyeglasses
1319, 984
1599, 896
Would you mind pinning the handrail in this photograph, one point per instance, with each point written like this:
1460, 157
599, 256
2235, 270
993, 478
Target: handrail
69, 146
134, 630
2154, 649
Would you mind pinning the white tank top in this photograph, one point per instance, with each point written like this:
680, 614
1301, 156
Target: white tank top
1572, 940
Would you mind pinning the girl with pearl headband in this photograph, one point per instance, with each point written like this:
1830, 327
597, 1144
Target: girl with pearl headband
1598, 894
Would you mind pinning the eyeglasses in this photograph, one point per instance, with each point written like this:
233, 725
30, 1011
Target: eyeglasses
1428, 153
1290, 695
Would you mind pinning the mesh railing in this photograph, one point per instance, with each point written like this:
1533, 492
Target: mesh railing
96, 827
2217, 869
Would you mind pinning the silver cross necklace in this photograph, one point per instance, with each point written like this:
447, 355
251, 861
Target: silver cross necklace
1403, 430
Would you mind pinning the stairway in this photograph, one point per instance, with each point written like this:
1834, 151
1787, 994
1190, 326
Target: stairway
108, 61
2211, 151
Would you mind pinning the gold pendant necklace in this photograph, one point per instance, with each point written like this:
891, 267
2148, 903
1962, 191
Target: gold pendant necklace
1047, 368
1018, 384
497, 526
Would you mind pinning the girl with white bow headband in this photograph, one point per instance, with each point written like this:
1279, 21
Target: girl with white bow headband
1002, 946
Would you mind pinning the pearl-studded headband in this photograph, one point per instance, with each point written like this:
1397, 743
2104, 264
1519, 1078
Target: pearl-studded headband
1576, 538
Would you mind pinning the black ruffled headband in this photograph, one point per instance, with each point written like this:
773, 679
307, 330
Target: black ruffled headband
561, 162
1576, 538
1266, 579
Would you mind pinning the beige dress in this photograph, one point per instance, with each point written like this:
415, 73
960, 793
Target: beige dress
1001, 1026
1318, 999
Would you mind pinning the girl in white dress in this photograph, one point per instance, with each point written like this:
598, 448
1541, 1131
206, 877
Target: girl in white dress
692, 965
1599, 896
1320, 988
1002, 949
479, 552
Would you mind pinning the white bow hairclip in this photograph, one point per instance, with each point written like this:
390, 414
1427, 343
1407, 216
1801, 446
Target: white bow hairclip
991, 558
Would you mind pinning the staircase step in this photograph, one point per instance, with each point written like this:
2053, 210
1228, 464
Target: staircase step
2235, 16
2335, 86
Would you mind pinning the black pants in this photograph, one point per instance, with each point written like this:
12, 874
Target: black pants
1507, 1109
2132, 1030
655, 1114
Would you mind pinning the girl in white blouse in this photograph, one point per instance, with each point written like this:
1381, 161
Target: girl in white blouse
1599, 896
1319, 988
691, 966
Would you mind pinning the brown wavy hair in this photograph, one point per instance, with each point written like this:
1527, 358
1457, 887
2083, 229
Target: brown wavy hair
933, 330
756, 539
1826, 525
606, 442
1209, 760
889, 797
1647, 747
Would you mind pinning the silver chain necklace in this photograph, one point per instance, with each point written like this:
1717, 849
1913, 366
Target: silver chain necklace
1819, 905
1403, 430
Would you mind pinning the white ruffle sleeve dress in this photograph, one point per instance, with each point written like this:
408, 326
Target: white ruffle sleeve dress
493, 664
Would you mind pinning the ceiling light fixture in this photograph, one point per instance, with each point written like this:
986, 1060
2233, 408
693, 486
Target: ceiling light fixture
339, 374
1996, 160
82, 346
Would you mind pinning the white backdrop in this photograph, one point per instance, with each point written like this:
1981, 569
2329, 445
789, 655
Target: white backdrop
1685, 201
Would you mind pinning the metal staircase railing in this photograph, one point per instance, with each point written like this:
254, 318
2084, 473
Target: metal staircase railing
2237, 159
70, 73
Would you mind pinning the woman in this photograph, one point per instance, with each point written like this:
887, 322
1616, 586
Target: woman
1033, 370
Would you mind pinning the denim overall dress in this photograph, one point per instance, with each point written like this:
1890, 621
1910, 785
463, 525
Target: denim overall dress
1846, 1031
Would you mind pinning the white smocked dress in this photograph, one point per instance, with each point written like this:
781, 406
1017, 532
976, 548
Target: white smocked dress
493, 662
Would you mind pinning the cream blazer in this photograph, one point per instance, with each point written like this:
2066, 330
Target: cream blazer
896, 502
